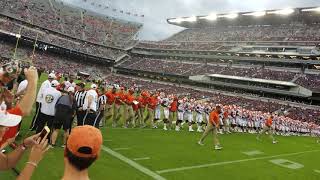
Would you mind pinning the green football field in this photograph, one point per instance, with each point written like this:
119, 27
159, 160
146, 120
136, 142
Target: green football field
156, 154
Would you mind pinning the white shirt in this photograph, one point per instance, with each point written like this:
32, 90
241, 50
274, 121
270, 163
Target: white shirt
22, 86
46, 84
94, 103
67, 84
49, 100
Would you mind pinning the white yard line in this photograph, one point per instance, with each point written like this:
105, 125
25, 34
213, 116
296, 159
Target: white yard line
133, 164
143, 158
231, 162
116, 149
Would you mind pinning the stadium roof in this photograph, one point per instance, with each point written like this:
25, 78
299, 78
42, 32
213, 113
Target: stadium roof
307, 15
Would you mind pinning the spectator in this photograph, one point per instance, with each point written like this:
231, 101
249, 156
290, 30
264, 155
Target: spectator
81, 151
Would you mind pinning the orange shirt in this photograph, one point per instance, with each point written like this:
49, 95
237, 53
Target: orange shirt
214, 117
120, 96
174, 106
129, 99
152, 102
269, 122
140, 99
110, 97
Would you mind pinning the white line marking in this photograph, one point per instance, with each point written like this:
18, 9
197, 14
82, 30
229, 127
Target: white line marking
317, 171
252, 153
133, 164
230, 162
138, 159
121, 149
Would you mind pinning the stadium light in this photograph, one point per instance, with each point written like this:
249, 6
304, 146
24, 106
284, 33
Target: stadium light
311, 9
229, 16
282, 12
210, 17
256, 14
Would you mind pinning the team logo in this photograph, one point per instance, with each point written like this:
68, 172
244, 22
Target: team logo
49, 98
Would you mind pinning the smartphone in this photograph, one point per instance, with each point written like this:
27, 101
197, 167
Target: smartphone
44, 132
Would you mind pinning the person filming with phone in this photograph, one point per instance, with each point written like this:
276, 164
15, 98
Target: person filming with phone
10, 117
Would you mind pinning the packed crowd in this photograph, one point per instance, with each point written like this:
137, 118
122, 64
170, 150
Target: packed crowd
310, 81
73, 22
292, 32
13, 26
50, 62
189, 69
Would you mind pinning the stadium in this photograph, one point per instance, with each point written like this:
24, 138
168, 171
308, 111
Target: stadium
250, 77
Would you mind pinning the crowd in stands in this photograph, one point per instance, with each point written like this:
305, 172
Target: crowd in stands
188, 68
14, 26
50, 62
292, 32
74, 22
311, 81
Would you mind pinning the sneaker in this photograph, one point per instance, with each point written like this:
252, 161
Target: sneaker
199, 130
200, 143
217, 147
177, 128
155, 127
191, 130
63, 146
114, 125
165, 128
274, 142
3, 151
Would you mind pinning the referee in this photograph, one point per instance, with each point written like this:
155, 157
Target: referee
80, 95
101, 106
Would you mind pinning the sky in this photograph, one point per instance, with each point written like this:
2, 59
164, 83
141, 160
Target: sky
156, 12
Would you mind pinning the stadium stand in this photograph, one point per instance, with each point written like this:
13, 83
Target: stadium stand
73, 22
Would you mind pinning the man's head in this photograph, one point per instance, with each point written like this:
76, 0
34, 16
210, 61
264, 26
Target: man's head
94, 86
218, 109
80, 86
51, 77
83, 147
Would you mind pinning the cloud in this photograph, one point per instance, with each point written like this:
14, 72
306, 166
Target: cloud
157, 11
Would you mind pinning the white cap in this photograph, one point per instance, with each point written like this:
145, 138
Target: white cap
54, 83
93, 86
8, 120
70, 89
51, 76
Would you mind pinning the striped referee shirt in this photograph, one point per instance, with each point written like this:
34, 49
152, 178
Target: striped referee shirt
80, 96
102, 100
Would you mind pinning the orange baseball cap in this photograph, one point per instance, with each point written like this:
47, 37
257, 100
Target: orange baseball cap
85, 141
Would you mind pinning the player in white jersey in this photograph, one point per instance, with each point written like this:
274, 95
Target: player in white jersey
90, 106
188, 114
46, 84
157, 113
47, 111
180, 114
165, 103
199, 109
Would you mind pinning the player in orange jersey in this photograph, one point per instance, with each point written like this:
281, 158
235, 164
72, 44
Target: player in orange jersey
268, 128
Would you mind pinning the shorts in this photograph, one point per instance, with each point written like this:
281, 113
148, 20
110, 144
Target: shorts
63, 117
43, 121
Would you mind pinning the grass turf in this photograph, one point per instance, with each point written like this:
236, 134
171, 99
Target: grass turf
171, 149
